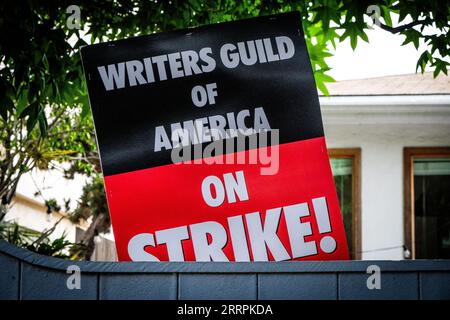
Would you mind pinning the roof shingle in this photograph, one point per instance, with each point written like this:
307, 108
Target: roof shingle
407, 84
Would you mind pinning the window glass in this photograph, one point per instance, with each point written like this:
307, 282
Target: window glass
432, 208
342, 173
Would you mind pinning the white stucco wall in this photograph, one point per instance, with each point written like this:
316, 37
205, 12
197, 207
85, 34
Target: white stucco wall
28, 207
32, 214
52, 184
382, 127
29, 210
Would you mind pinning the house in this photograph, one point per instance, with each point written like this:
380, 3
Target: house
29, 210
389, 144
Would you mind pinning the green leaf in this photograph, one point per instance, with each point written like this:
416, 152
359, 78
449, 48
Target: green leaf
321, 78
45, 60
32, 112
6, 105
43, 125
353, 31
424, 59
402, 15
363, 36
37, 57
22, 102
440, 66
413, 36
85, 109
386, 13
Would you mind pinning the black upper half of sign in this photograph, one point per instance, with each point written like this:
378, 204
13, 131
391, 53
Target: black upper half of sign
125, 119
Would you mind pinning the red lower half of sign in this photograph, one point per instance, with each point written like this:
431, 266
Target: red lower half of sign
268, 204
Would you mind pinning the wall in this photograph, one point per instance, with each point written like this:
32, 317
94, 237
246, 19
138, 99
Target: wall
28, 276
28, 207
382, 126
32, 214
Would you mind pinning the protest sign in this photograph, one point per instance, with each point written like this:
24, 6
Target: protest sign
212, 145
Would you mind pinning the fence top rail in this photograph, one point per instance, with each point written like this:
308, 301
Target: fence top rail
222, 267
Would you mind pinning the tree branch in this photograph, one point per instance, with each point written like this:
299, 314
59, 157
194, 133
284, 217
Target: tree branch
399, 29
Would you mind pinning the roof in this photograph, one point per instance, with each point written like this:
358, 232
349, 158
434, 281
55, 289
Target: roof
407, 84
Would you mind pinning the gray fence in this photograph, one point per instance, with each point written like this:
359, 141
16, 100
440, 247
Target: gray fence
26, 275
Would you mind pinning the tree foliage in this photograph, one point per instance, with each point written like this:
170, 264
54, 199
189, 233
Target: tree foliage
38, 242
41, 70
43, 100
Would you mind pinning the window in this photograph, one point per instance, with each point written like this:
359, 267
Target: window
427, 202
346, 167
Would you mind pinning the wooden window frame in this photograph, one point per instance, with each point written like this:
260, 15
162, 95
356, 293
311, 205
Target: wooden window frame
409, 154
355, 155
